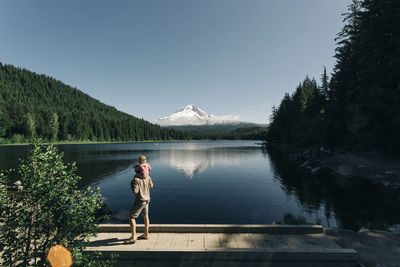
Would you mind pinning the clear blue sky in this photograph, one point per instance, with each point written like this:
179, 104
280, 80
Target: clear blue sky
151, 58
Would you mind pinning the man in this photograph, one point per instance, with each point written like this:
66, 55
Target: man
140, 186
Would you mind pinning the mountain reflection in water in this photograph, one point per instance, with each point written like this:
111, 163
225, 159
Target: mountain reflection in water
193, 162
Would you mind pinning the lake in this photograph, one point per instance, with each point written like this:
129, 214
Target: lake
225, 182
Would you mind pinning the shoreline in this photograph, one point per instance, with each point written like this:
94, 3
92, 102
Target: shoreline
124, 142
97, 142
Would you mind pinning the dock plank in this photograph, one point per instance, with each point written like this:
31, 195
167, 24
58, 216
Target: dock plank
295, 241
175, 241
165, 240
245, 241
196, 241
216, 228
151, 242
212, 241
319, 240
228, 241
276, 241
260, 241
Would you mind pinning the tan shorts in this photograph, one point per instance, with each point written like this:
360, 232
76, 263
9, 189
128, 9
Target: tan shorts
139, 207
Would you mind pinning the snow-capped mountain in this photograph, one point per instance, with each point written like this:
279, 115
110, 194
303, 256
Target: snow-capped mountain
192, 115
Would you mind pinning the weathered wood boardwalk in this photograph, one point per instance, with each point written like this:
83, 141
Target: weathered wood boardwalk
224, 245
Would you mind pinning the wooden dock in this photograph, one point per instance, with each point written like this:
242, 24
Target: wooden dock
223, 245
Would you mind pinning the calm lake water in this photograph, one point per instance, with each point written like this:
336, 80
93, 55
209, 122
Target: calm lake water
224, 182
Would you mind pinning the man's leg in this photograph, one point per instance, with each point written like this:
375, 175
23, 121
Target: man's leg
146, 226
146, 219
132, 239
135, 211
132, 222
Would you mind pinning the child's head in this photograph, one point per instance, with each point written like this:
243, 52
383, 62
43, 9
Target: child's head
142, 159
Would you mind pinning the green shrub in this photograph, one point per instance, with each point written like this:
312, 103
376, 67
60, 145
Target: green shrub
51, 211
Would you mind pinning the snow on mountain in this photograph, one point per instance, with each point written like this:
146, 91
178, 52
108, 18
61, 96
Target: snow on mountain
192, 115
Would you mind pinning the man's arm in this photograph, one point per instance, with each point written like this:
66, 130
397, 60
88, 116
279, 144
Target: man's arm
134, 186
151, 182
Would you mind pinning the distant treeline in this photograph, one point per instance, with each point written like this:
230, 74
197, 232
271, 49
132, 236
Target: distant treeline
33, 105
359, 107
241, 131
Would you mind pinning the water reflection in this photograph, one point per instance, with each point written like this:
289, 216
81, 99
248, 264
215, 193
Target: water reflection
353, 202
194, 161
97, 166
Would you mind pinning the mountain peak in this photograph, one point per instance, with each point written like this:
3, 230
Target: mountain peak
190, 115
188, 107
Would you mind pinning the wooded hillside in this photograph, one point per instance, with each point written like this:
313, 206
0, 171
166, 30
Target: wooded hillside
33, 105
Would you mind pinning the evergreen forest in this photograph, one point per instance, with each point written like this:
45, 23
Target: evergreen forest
240, 131
37, 106
358, 107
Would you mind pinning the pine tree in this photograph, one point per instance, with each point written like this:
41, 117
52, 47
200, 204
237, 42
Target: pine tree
325, 84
